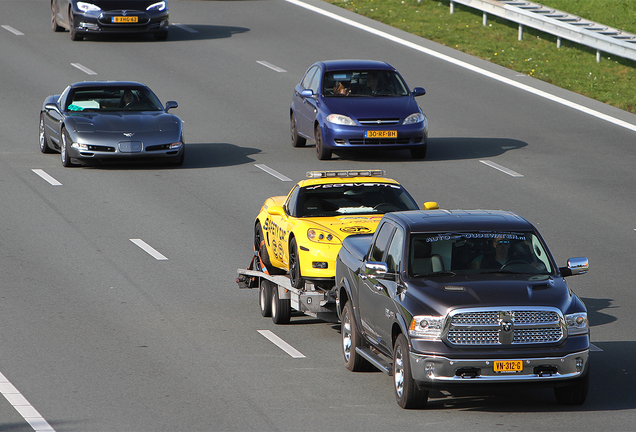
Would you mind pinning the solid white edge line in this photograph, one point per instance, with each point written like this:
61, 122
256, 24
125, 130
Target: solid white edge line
23, 407
12, 30
272, 172
271, 66
185, 27
83, 69
46, 177
501, 168
293, 352
468, 66
149, 249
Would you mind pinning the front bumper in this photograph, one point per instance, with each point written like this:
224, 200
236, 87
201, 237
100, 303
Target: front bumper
439, 371
125, 150
313, 256
352, 137
102, 22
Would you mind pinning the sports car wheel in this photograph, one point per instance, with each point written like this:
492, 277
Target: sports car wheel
265, 298
66, 159
295, 276
321, 151
44, 145
281, 308
350, 341
259, 245
297, 141
407, 394
54, 25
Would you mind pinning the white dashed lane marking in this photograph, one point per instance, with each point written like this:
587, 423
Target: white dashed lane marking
149, 249
272, 172
281, 344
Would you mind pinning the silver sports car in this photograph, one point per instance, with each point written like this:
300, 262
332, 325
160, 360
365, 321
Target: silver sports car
106, 120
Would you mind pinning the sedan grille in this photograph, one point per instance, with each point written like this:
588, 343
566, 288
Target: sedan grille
379, 122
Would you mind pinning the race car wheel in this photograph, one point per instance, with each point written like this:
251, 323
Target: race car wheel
295, 277
576, 393
260, 246
281, 308
265, 298
350, 341
407, 394
54, 25
44, 145
321, 152
297, 141
66, 159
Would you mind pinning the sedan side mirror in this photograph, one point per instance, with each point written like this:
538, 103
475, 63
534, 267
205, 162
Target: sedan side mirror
307, 93
418, 91
576, 266
171, 104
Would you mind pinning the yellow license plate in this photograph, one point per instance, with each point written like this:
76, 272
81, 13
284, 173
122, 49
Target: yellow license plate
380, 134
508, 366
125, 19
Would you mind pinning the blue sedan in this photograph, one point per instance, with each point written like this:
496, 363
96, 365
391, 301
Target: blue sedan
357, 104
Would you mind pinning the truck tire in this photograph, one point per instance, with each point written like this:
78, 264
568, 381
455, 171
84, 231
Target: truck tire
350, 341
281, 308
262, 251
575, 393
407, 394
265, 298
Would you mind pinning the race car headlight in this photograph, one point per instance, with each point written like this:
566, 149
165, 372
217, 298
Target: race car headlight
88, 7
159, 6
426, 327
340, 119
577, 323
414, 118
320, 236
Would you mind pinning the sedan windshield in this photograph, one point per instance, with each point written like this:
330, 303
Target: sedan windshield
113, 99
365, 83
478, 252
352, 199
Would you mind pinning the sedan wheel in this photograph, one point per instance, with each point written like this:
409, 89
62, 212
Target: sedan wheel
74, 35
297, 141
321, 151
44, 145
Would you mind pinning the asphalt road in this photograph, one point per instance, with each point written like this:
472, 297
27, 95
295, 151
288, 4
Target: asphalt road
97, 334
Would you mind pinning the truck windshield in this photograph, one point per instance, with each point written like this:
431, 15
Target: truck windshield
478, 252
352, 199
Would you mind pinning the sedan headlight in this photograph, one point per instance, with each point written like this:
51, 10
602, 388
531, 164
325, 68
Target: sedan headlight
340, 120
159, 6
320, 236
426, 327
87, 7
414, 118
577, 323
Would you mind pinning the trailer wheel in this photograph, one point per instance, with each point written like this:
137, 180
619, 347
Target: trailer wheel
265, 298
281, 308
350, 340
407, 393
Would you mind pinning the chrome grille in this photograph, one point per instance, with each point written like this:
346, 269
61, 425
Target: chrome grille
379, 122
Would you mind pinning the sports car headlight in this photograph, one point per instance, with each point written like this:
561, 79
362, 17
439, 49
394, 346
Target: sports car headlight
340, 120
414, 118
87, 7
426, 327
159, 6
320, 236
577, 323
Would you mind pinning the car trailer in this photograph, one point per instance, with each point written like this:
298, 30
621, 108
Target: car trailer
277, 298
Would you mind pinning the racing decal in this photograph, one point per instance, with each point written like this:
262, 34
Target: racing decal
276, 235
356, 230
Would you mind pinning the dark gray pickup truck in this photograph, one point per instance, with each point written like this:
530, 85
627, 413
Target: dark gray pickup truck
440, 299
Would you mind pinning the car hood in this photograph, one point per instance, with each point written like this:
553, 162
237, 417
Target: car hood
124, 123
374, 107
346, 225
494, 290
123, 4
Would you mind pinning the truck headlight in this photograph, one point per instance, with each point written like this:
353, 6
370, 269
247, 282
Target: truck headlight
426, 327
577, 323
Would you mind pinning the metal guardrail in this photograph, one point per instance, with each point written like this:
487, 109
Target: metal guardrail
558, 23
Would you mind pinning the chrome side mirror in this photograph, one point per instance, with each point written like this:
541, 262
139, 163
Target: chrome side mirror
576, 266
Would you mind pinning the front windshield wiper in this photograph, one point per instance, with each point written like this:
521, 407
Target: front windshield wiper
437, 273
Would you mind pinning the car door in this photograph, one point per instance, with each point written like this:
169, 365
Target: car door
307, 106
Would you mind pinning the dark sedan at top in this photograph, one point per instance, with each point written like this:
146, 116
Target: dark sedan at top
110, 16
357, 104
110, 120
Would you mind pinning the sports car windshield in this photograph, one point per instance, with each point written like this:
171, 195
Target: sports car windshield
352, 199
478, 252
366, 83
113, 99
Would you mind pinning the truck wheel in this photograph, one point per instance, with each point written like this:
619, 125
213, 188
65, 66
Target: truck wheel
281, 308
262, 250
295, 277
265, 298
407, 393
350, 340
576, 393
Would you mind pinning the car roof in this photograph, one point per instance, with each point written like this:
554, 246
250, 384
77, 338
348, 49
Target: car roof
105, 84
461, 220
336, 65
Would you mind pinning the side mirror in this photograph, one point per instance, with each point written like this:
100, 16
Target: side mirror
276, 211
418, 91
51, 106
430, 205
171, 104
576, 266
307, 93
375, 268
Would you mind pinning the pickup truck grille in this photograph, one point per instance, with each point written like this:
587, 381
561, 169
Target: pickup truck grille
506, 326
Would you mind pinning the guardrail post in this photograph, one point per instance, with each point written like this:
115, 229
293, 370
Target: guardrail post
558, 42
452, 8
520, 37
485, 19
598, 56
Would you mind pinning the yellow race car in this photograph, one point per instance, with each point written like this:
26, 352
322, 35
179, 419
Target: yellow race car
301, 233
